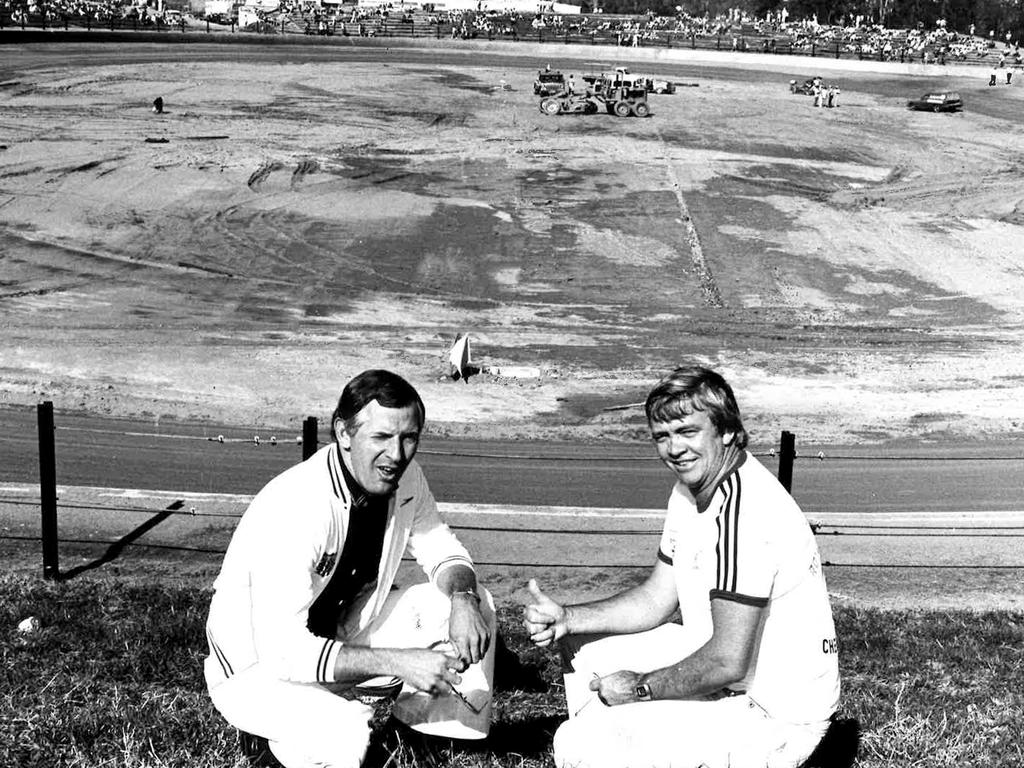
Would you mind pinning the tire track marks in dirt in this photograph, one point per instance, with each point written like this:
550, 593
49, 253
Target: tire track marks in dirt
260, 174
708, 286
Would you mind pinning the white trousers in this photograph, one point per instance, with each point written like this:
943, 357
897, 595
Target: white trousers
732, 732
309, 725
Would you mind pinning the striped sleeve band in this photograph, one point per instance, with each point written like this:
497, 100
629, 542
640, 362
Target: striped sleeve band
447, 563
325, 663
218, 654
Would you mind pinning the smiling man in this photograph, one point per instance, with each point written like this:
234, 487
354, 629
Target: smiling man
750, 676
304, 618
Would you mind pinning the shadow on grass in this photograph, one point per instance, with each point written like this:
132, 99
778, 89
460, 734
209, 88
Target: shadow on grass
115, 549
526, 738
838, 747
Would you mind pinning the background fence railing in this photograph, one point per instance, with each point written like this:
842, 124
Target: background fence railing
485, 526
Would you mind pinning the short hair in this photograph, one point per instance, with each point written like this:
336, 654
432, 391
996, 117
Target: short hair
389, 389
694, 388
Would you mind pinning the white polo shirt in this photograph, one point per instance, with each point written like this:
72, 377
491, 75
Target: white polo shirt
753, 545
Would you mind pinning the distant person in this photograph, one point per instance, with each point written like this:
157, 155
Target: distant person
992, 76
1009, 76
750, 677
304, 612
158, 105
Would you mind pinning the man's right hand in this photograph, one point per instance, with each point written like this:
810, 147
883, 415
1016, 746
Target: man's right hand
544, 619
435, 672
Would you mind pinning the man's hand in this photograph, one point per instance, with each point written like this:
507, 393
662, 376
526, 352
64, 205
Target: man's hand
432, 671
544, 619
467, 630
616, 688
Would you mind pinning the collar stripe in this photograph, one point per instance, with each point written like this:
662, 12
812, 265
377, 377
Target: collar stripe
335, 472
727, 547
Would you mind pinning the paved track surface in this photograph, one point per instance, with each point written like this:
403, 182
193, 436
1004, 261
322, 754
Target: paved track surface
189, 459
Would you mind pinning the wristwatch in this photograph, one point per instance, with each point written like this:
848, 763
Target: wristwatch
643, 692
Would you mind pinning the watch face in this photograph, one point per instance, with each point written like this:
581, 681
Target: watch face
643, 691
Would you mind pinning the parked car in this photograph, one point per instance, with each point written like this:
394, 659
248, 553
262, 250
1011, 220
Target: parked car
806, 86
621, 76
938, 101
659, 85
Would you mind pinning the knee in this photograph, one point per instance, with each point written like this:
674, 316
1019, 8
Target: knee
333, 748
569, 745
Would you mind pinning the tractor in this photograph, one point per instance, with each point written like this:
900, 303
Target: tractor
622, 99
569, 104
617, 98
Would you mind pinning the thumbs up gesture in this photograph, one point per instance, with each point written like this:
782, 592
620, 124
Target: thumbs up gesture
544, 619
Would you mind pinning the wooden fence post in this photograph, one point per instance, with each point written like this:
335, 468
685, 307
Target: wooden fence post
48, 490
787, 452
309, 437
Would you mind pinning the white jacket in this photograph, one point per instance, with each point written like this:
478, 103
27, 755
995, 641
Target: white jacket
284, 552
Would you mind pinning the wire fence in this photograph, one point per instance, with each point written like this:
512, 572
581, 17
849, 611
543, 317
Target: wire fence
787, 454
273, 439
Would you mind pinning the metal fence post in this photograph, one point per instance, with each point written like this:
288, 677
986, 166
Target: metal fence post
309, 437
48, 490
787, 452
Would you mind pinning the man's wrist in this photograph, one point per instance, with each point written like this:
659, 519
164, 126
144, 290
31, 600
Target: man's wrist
642, 689
566, 619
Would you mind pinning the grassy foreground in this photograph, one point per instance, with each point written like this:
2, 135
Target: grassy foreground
114, 678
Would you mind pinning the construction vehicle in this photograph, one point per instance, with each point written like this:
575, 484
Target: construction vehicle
548, 83
618, 98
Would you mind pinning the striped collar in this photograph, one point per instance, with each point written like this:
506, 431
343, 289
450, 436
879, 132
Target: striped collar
734, 472
345, 486
335, 470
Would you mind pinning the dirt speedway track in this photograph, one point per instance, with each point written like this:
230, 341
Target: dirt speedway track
301, 213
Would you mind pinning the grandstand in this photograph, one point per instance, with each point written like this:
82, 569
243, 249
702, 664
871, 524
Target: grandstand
524, 20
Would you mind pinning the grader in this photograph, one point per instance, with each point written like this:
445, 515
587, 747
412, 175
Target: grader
619, 99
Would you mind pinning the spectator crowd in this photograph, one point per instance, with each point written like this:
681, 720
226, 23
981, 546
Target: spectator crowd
773, 33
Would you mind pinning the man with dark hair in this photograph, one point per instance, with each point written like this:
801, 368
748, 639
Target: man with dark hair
750, 677
305, 618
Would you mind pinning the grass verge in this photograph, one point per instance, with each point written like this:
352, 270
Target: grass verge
113, 678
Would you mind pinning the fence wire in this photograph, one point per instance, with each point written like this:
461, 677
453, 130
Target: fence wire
880, 532
513, 563
274, 440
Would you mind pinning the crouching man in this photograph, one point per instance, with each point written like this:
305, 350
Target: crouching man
750, 677
304, 618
